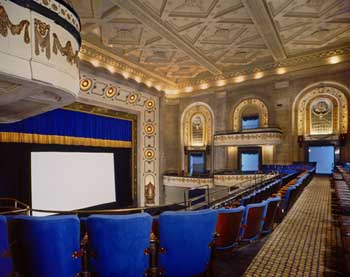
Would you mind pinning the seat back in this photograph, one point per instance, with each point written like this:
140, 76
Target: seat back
6, 266
47, 245
186, 238
118, 244
228, 227
287, 203
271, 211
252, 221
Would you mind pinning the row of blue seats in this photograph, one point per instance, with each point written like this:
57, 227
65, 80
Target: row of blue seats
346, 166
118, 245
288, 169
50, 246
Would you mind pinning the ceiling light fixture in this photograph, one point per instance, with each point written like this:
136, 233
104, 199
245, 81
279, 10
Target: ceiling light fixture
239, 79
281, 70
188, 89
204, 86
125, 74
95, 63
258, 75
334, 60
221, 83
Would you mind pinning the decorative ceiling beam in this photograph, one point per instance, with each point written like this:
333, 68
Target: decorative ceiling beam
266, 28
136, 8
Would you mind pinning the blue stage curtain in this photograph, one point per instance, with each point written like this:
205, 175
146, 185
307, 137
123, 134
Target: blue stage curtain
70, 128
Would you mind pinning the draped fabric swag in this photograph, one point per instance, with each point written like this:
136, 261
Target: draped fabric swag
69, 128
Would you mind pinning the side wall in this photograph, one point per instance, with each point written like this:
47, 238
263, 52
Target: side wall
280, 105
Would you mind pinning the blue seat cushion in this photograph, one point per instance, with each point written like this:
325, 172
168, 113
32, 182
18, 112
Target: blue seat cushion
6, 266
47, 245
118, 243
186, 237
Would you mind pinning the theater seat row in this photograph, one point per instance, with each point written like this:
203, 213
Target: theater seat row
341, 183
245, 223
118, 245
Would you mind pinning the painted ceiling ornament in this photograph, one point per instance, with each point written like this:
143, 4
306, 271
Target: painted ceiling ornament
149, 154
85, 84
67, 50
16, 29
132, 98
42, 38
110, 91
150, 104
149, 129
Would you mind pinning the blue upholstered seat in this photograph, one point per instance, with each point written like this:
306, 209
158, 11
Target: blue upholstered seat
6, 266
287, 200
253, 220
118, 243
186, 237
47, 245
272, 205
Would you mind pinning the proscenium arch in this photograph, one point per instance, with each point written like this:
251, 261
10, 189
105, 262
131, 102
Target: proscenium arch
320, 89
239, 108
186, 116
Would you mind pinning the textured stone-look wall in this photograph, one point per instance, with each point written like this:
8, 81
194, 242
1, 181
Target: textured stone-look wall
279, 102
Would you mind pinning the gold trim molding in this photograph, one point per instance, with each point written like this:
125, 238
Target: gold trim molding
15, 29
102, 58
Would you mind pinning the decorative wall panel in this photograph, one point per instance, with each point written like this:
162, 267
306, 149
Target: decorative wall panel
260, 107
147, 109
340, 106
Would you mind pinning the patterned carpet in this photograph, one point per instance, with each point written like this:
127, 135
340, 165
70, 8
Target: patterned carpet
307, 242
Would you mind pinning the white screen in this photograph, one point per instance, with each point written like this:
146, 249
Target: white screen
69, 180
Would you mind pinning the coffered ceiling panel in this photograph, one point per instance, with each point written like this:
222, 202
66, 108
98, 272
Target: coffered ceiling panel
184, 40
306, 25
221, 30
115, 29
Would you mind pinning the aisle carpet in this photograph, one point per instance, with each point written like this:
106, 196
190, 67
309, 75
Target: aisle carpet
307, 242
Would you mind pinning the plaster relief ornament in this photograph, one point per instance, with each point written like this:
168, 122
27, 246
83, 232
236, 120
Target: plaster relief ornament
15, 29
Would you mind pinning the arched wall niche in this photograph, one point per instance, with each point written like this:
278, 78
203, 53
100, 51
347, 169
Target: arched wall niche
335, 95
198, 130
197, 110
249, 106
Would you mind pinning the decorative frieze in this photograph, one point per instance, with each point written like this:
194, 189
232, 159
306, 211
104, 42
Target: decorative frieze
38, 52
187, 182
241, 180
15, 29
266, 136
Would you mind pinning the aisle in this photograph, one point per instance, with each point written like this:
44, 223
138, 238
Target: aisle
306, 242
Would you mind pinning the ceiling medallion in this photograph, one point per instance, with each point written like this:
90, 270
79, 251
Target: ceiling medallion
150, 104
85, 84
149, 129
132, 98
149, 154
110, 91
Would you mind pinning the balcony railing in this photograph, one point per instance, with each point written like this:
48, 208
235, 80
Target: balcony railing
259, 136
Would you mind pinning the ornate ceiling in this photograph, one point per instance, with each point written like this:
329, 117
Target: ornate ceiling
177, 42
